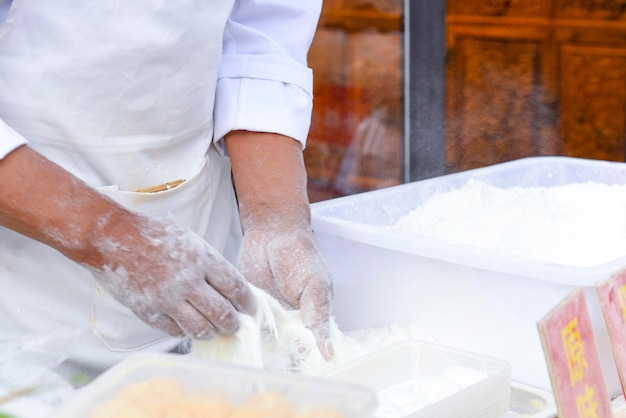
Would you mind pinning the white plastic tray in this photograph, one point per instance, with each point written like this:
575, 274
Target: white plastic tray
235, 382
443, 382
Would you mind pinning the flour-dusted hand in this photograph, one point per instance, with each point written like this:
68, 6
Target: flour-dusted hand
286, 263
171, 278
279, 253
167, 275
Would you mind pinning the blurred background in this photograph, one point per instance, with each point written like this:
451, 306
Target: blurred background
411, 89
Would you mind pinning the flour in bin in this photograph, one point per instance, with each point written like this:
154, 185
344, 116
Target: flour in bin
578, 224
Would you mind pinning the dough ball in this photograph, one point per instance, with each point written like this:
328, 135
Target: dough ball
154, 389
265, 405
120, 408
319, 412
199, 406
147, 398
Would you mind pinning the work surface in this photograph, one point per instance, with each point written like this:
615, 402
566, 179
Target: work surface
525, 402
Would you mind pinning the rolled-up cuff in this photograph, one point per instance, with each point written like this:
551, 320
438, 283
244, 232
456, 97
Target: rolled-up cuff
9, 139
261, 105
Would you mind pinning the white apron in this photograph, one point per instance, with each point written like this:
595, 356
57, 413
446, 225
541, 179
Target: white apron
120, 93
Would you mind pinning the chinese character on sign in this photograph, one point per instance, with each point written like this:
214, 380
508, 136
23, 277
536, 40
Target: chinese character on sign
572, 358
587, 406
612, 296
621, 293
574, 352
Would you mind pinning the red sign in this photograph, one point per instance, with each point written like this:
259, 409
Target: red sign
612, 293
573, 362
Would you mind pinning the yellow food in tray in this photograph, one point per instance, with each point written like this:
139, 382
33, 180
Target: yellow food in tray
164, 397
165, 385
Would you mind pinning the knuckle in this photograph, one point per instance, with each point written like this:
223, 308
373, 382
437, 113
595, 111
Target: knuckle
228, 324
206, 333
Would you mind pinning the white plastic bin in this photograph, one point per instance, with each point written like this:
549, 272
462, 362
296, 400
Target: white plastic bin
463, 296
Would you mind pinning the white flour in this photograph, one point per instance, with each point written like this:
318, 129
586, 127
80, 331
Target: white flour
579, 225
277, 339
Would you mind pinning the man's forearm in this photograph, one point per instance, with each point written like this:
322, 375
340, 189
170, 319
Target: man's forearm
41, 200
270, 178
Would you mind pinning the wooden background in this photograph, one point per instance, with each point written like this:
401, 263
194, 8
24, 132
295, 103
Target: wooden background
523, 78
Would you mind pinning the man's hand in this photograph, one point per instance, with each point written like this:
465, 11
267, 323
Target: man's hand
167, 275
286, 263
279, 253
171, 278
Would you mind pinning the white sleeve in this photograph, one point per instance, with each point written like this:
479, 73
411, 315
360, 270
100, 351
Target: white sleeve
264, 83
9, 139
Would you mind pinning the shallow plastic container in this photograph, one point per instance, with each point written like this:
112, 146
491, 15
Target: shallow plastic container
416, 379
235, 382
463, 296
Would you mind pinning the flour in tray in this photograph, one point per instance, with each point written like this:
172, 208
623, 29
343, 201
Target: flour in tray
409, 396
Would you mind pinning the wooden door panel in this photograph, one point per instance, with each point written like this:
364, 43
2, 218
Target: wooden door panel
535, 78
593, 102
500, 8
590, 9
496, 97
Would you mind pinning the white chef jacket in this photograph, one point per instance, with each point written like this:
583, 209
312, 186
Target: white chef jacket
264, 82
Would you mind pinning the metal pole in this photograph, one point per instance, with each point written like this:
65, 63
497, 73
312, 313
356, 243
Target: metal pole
424, 88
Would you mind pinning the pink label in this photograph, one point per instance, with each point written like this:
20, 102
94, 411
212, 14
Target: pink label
573, 362
612, 294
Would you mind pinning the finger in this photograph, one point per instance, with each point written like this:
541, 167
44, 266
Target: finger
321, 332
254, 265
165, 324
232, 285
315, 310
219, 311
193, 323
324, 343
